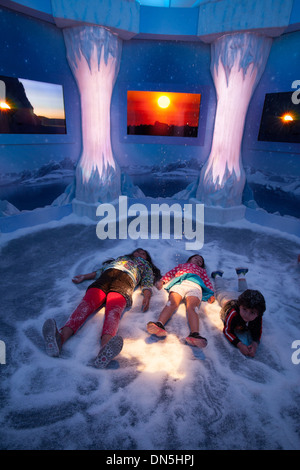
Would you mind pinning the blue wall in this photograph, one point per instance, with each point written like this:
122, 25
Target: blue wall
35, 50
283, 67
169, 66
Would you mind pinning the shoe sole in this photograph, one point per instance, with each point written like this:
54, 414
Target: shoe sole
49, 334
153, 329
197, 342
109, 352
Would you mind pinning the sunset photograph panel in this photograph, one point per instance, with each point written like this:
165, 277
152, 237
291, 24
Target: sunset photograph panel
31, 107
163, 113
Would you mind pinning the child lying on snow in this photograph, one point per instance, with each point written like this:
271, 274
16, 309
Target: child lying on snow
114, 286
240, 312
189, 282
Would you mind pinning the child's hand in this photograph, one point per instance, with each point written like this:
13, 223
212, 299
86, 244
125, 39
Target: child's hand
252, 349
78, 279
244, 349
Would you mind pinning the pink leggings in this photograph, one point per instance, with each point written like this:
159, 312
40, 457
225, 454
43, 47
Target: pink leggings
93, 299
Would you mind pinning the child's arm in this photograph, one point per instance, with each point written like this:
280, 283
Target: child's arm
146, 300
231, 321
159, 284
83, 277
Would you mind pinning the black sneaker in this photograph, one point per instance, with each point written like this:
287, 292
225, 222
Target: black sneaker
194, 339
156, 328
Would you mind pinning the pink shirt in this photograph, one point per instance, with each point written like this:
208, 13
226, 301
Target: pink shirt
188, 268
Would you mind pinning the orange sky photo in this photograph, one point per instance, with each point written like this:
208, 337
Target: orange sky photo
143, 108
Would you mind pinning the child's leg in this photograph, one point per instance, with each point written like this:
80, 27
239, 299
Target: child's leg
221, 294
115, 306
242, 283
157, 328
170, 307
92, 300
194, 338
192, 306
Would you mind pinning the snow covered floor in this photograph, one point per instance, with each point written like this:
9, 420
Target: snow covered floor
157, 394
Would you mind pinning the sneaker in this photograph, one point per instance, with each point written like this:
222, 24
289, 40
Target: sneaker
156, 328
109, 352
217, 273
241, 271
52, 338
194, 339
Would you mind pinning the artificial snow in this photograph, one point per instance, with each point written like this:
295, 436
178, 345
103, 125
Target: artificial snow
157, 394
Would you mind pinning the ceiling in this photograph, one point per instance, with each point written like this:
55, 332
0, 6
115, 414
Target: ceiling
172, 3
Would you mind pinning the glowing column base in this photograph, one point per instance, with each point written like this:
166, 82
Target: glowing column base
238, 61
94, 57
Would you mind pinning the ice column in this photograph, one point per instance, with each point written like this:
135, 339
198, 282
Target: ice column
237, 63
94, 55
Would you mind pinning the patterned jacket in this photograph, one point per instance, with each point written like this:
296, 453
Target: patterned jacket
139, 270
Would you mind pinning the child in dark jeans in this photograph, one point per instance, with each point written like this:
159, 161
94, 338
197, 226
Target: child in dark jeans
240, 312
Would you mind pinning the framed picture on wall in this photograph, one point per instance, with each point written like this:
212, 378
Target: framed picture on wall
280, 120
31, 107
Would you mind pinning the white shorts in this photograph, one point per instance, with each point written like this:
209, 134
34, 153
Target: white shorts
187, 289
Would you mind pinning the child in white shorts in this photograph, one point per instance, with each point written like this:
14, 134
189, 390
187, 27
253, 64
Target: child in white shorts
187, 289
186, 282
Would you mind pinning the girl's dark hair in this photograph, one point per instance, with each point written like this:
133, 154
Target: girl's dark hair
196, 254
155, 270
248, 299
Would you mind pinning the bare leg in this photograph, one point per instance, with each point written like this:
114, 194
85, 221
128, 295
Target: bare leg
105, 339
170, 307
192, 305
66, 333
242, 283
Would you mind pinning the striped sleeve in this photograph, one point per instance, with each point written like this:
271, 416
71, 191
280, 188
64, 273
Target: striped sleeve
229, 326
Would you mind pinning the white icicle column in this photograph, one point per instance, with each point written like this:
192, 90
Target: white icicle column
94, 55
237, 63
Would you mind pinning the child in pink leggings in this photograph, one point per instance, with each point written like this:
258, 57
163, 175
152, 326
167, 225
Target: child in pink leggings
114, 286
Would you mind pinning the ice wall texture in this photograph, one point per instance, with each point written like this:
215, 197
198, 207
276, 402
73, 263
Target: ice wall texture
94, 56
237, 63
120, 15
